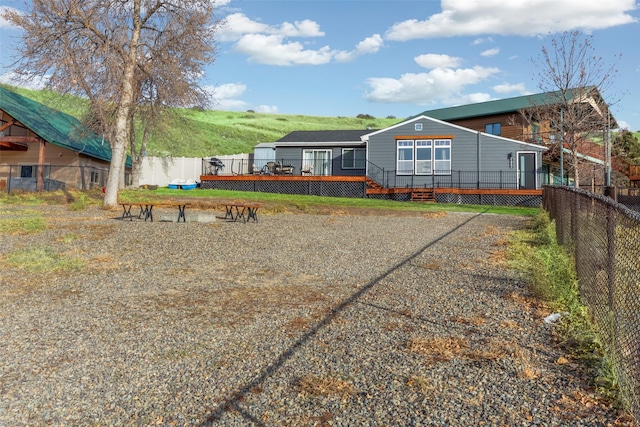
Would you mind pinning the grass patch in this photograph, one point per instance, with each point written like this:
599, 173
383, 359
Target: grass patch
301, 203
43, 259
21, 222
75, 199
550, 273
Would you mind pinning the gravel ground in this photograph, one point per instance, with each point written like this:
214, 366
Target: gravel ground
301, 320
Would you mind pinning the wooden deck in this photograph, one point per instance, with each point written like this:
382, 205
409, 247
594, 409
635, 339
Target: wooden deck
370, 190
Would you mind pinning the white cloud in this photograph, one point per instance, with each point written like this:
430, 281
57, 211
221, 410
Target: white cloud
273, 50
479, 41
432, 60
440, 85
511, 88
271, 44
267, 109
225, 96
371, 44
238, 25
491, 52
26, 81
622, 124
515, 17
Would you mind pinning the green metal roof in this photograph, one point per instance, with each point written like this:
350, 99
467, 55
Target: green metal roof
54, 126
499, 106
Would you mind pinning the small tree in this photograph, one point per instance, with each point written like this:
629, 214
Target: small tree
117, 54
574, 79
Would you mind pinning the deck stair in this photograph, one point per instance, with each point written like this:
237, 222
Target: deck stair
422, 195
373, 184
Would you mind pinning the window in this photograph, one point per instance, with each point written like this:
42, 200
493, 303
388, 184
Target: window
27, 172
353, 158
424, 149
319, 161
442, 157
493, 128
405, 157
95, 177
418, 126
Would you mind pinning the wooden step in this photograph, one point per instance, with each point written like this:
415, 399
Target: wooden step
422, 195
372, 184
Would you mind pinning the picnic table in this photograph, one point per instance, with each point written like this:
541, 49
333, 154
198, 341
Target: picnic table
241, 211
146, 209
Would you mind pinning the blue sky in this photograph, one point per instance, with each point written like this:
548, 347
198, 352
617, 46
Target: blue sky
388, 57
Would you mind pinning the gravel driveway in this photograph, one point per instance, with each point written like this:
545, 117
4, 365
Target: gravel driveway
300, 320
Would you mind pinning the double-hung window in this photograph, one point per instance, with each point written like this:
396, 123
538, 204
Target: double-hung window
442, 157
353, 158
424, 156
405, 157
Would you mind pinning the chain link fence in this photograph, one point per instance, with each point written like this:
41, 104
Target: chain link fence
604, 237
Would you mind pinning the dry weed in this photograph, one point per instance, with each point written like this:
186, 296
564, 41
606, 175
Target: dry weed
314, 385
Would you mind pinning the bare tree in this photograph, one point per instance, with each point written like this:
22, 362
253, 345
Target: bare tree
574, 80
124, 56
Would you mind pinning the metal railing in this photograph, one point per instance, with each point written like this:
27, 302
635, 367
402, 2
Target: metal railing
507, 180
603, 236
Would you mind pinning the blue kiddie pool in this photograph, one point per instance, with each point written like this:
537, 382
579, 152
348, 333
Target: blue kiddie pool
189, 186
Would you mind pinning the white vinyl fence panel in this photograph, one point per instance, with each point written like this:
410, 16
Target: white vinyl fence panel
161, 171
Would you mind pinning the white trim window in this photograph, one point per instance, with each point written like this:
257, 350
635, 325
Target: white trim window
442, 157
318, 160
424, 156
404, 157
354, 158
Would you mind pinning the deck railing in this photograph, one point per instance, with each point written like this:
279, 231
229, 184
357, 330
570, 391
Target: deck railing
386, 178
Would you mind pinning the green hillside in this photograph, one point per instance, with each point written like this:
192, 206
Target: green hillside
202, 133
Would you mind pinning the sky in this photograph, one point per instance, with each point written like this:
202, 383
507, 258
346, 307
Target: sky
399, 58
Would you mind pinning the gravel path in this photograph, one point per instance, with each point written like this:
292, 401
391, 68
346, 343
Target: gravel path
298, 320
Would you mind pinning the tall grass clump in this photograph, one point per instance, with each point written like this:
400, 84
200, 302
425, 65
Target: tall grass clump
21, 222
550, 274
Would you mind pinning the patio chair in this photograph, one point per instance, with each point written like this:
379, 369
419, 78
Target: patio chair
270, 168
306, 170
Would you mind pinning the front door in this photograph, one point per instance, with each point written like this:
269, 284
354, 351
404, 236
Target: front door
527, 171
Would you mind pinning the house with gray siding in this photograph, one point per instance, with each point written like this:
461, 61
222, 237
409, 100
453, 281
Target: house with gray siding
430, 153
323, 152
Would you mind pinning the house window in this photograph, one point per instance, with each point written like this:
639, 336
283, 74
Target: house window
319, 161
95, 177
424, 156
26, 171
442, 157
418, 126
353, 158
493, 128
405, 157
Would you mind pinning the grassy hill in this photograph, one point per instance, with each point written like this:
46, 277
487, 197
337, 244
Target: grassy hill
202, 133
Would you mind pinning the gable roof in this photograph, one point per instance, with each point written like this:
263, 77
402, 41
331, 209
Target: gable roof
325, 136
54, 126
499, 106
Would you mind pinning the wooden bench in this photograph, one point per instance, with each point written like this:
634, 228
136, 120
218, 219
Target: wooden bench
244, 211
146, 209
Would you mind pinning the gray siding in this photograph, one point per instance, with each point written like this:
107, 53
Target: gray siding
475, 157
293, 156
